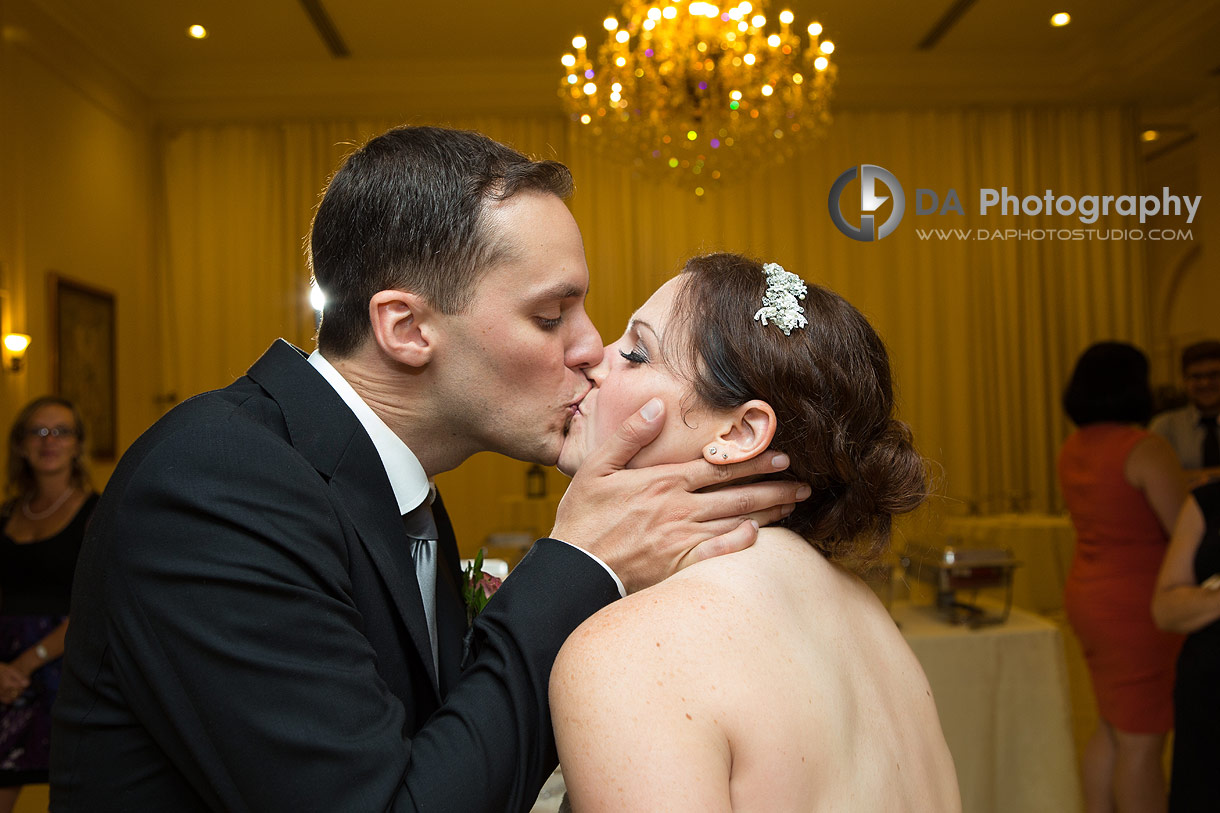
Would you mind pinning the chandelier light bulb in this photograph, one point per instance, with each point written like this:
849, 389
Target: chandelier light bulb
699, 94
1061, 19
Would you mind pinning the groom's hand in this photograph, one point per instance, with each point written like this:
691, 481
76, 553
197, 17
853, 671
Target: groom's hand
648, 523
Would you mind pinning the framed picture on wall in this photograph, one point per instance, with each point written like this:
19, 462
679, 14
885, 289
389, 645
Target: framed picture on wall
83, 358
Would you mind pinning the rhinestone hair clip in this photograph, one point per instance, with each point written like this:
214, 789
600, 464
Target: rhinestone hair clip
781, 303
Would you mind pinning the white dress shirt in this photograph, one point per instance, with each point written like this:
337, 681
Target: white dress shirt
1182, 429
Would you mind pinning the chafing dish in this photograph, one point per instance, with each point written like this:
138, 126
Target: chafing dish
950, 569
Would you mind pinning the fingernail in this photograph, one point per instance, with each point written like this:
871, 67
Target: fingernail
780, 461
651, 410
803, 492
755, 524
787, 509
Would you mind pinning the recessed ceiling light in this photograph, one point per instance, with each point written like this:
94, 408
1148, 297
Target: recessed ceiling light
197, 32
1150, 135
1061, 19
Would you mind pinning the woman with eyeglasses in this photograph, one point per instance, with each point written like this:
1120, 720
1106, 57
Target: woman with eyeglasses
42, 522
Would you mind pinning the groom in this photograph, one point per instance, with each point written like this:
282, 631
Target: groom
266, 613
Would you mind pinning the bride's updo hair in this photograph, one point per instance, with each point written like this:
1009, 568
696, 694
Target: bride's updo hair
830, 386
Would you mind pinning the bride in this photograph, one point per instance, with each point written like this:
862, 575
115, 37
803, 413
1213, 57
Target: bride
770, 679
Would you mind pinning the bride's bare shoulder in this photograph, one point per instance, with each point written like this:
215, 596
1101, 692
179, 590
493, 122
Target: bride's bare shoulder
721, 600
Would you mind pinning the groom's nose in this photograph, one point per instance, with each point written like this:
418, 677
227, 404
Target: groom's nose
585, 348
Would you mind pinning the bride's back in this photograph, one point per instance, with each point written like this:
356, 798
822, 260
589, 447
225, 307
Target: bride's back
770, 670
768, 679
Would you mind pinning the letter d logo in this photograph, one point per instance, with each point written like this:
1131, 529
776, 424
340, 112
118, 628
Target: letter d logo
869, 175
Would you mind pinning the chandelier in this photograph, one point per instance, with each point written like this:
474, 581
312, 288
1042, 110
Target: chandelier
690, 90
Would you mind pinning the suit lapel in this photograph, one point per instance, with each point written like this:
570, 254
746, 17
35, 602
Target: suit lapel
450, 609
324, 430
366, 492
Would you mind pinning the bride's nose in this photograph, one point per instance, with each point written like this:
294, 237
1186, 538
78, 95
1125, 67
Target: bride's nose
597, 373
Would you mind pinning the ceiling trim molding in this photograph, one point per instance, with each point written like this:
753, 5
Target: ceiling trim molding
326, 28
945, 24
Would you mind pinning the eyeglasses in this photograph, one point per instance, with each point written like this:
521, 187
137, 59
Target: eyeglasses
50, 432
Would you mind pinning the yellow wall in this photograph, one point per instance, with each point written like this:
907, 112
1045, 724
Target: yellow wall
1184, 277
76, 171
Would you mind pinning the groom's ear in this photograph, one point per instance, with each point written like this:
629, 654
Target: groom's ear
745, 433
402, 326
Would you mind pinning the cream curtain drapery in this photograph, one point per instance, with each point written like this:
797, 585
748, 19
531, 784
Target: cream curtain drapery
982, 333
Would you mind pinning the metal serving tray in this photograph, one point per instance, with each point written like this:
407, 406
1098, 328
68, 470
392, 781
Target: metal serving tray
949, 569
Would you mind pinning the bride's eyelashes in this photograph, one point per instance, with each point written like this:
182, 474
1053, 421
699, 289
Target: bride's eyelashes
638, 355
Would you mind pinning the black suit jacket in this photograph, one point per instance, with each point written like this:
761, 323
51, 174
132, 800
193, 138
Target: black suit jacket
247, 637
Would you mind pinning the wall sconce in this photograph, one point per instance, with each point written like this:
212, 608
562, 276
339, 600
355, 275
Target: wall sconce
15, 345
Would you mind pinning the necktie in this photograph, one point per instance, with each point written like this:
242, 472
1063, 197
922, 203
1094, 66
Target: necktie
1211, 442
421, 527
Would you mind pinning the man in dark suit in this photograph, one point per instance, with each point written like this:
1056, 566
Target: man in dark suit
267, 612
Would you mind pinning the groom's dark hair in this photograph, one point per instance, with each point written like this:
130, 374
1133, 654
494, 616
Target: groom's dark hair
406, 211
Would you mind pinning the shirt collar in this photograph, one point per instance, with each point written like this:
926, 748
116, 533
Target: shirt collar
407, 477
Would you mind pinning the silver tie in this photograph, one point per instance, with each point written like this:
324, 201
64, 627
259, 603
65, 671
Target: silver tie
421, 527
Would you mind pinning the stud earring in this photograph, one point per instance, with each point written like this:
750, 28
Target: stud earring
725, 456
712, 450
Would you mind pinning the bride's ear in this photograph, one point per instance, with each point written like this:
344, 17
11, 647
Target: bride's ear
745, 433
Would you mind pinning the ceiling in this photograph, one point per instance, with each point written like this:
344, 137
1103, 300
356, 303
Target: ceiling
270, 55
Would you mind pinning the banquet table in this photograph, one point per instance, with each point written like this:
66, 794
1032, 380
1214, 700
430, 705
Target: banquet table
1002, 695
1043, 543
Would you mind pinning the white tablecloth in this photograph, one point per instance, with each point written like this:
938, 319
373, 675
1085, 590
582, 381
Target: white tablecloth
1002, 695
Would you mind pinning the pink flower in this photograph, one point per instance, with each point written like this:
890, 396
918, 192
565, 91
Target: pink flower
489, 584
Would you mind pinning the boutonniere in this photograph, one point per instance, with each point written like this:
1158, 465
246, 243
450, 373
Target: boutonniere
477, 587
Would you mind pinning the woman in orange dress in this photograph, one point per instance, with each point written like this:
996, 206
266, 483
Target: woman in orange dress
1123, 486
